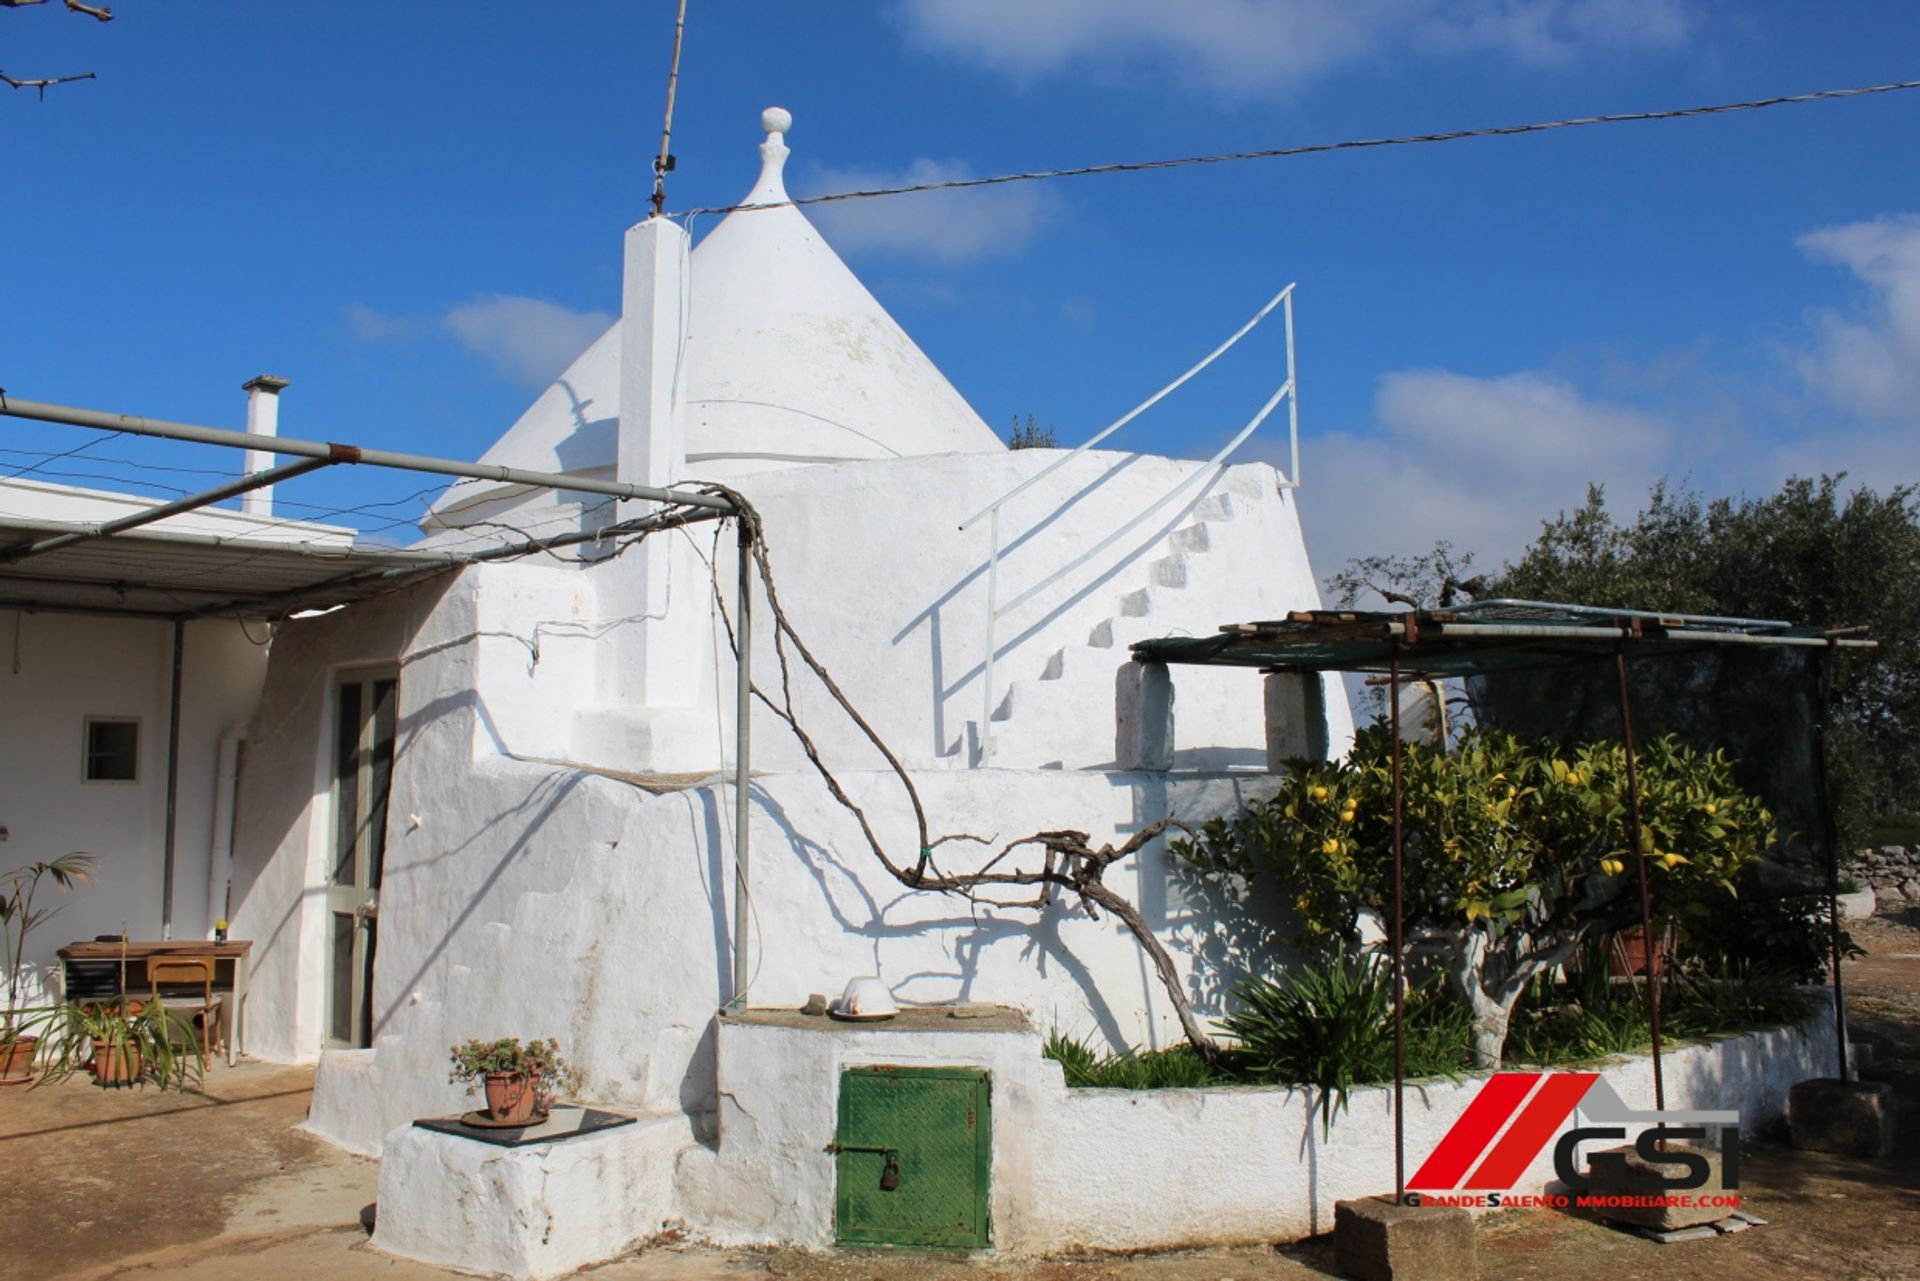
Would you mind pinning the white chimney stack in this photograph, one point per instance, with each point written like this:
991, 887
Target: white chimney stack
263, 419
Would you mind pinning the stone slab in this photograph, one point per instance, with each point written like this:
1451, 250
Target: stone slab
1376, 1240
1852, 1118
1645, 1179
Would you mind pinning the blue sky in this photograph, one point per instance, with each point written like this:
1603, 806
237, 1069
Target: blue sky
414, 211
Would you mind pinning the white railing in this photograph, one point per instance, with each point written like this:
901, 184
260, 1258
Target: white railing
991, 513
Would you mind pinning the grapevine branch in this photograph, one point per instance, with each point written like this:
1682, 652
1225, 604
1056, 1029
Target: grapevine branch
1069, 863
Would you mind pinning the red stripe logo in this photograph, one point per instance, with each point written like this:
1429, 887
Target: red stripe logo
1497, 1102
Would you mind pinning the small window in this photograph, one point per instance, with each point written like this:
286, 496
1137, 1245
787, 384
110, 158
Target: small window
113, 750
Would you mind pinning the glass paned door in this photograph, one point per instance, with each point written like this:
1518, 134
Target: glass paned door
364, 724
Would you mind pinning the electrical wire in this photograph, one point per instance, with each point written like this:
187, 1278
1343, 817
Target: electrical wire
1318, 148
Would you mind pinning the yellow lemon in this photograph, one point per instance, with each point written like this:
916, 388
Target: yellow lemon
1712, 808
1319, 793
1330, 846
1346, 816
1573, 780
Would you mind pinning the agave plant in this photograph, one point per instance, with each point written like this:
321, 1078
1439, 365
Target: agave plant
19, 916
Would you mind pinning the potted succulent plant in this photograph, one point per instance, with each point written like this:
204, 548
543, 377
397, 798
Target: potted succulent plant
18, 917
519, 1081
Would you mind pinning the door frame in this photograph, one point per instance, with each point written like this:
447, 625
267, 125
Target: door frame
359, 897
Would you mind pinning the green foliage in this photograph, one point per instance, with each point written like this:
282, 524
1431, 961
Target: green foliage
1893, 829
1330, 1026
1031, 436
1178, 1067
1501, 836
1810, 554
1777, 929
168, 1054
1595, 1016
1426, 581
472, 1060
19, 917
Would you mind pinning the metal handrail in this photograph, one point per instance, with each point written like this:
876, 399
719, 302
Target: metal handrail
995, 610
1149, 403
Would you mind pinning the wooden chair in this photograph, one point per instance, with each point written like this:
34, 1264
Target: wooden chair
207, 1019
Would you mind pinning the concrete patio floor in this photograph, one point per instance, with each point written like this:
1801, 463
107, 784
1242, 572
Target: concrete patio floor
220, 1183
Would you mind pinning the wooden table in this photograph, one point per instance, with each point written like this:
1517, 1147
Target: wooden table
135, 952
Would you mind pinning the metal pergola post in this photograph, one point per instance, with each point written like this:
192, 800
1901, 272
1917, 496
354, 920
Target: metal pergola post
1399, 941
1822, 694
1648, 946
743, 723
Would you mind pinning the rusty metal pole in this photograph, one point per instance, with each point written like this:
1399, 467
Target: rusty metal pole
1822, 691
1649, 949
1399, 926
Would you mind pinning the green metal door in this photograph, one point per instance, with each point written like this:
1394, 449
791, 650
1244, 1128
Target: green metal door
914, 1146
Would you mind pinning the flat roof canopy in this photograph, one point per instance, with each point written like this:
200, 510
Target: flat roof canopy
164, 574
1482, 638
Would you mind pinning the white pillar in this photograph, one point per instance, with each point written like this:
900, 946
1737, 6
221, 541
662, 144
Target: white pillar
653, 660
263, 419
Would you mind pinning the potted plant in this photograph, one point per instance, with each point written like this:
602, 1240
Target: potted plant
121, 1042
18, 917
519, 1081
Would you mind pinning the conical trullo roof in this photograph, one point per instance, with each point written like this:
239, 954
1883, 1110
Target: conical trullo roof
788, 361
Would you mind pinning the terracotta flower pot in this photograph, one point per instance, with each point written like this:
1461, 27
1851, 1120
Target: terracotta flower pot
1629, 955
116, 1065
16, 1060
512, 1097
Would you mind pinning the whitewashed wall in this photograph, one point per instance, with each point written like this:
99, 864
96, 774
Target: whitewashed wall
55, 671
1142, 1169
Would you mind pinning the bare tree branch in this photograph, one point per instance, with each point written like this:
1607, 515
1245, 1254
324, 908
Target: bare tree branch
73, 6
40, 84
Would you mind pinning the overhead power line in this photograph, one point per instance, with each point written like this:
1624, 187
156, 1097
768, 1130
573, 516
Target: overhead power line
1317, 148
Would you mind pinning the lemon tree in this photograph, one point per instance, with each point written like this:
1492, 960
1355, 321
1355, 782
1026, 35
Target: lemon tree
1513, 851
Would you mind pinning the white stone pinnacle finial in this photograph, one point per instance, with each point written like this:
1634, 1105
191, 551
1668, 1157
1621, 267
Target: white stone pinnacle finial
772, 188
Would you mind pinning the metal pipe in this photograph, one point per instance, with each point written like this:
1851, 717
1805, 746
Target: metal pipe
1646, 893
193, 502
1496, 602
349, 453
1822, 692
1293, 401
742, 729
1133, 413
173, 780
1399, 932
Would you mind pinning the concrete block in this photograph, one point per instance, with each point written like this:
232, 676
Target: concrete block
1296, 706
545, 1210
1644, 1179
1143, 717
1376, 1240
1852, 1118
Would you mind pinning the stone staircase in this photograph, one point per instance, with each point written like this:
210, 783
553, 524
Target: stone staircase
1064, 717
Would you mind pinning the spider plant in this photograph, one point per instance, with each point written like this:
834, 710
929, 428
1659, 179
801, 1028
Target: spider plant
123, 1041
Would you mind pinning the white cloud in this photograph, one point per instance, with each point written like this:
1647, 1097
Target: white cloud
1869, 361
1262, 47
530, 340
945, 226
1476, 461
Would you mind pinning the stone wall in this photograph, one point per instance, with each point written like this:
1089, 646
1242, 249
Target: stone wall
1892, 872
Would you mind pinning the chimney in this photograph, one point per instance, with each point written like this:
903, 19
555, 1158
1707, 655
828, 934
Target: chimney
263, 419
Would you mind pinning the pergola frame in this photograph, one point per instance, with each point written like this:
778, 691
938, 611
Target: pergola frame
371, 571
1486, 638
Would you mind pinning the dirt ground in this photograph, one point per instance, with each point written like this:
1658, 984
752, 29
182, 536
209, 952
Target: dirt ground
219, 1184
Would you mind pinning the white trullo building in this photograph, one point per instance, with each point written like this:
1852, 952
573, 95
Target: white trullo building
497, 803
